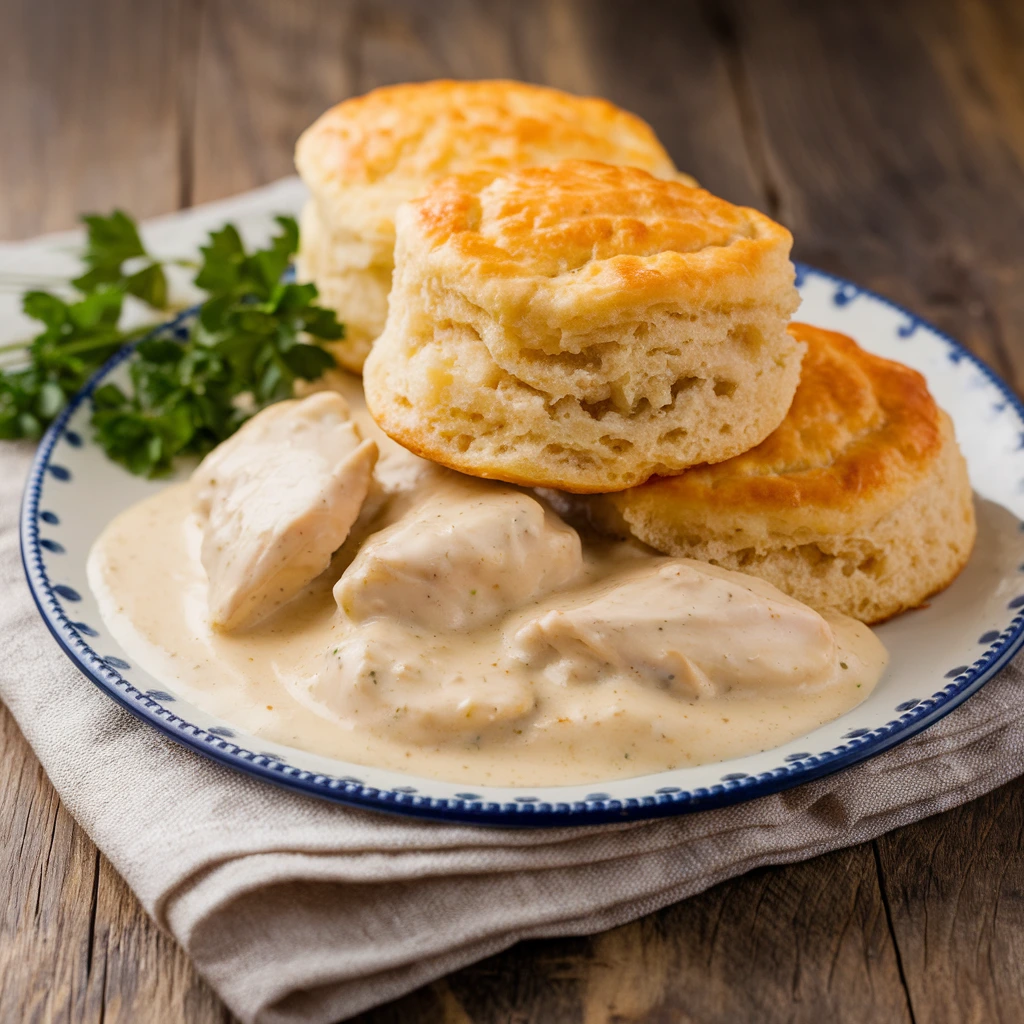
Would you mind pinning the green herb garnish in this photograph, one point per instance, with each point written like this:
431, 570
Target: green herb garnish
76, 339
110, 243
245, 348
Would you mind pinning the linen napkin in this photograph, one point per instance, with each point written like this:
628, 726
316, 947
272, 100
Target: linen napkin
297, 910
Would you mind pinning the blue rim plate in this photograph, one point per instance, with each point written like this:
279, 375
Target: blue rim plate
941, 655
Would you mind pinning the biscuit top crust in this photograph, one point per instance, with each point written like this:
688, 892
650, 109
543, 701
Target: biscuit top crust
861, 434
592, 235
416, 133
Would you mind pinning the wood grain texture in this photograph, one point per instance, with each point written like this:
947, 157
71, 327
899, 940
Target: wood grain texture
888, 136
790, 944
75, 945
909, 182
954, 885
90, 109
265, 71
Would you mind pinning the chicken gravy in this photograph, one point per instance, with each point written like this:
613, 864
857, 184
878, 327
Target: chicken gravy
463, 630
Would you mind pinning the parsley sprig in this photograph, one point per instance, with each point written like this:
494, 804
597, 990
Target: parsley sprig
112, 242
245, 348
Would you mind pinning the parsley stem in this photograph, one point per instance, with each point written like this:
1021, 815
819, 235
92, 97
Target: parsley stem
88, 344
76, 347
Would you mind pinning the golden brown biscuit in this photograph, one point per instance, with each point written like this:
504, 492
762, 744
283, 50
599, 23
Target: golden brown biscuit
584, 327
859, 501
366, 155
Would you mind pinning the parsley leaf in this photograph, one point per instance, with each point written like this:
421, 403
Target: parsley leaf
110, 243
77, 337
245, 350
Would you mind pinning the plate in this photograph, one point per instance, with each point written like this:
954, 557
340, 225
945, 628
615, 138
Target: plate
940, 654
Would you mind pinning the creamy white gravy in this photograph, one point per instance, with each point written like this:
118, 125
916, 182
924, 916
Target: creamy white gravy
465, 632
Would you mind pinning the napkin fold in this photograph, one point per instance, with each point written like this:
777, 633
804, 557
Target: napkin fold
297, 910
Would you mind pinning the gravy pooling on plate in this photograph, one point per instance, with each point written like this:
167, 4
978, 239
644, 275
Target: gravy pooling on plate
464, 631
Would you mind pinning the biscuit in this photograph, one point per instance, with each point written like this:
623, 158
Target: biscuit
584, 327
859, 502
366, 155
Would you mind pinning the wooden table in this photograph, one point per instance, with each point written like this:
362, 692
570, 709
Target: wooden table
888, 136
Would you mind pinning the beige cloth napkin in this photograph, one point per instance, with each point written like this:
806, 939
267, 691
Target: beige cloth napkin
297, 910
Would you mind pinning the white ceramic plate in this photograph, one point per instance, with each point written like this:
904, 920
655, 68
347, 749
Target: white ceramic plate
939, 655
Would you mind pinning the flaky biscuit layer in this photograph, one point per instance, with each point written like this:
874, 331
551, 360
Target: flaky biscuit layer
365, 156
859, 501
583, 326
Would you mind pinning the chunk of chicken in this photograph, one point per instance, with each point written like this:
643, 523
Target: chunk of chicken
694, 628
468, 555
275, 501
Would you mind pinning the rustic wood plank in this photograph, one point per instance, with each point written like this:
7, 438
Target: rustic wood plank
265, 71
954, 885
145, 974
49, 867
402, 41
889, 182
976, 50
662, 60
804, 943
75, 945
90, 110
256, 92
